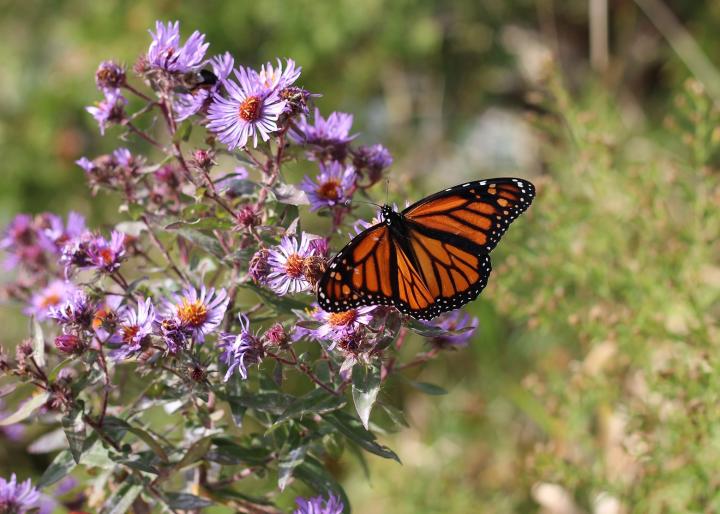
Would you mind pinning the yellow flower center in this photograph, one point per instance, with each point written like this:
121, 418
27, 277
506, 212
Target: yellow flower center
329, 190
192, 314
50, 300
342, 319
294, 266
249, 110
129, 332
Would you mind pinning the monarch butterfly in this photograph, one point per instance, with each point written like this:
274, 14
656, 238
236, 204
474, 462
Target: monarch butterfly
430, 258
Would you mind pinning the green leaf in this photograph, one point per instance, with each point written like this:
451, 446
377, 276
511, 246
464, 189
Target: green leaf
208, 223
365, 389
274, 403
145, 436
122, 500
58, 469
353, 430
317, 401
38, 342
186, 501
283, 304
26, 409
288, 463
196, 452
207, 243
74, 428
228, 452
314, 474
54, 372
395, 415
183, 132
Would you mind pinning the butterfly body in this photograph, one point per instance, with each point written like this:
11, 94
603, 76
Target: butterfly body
431, 257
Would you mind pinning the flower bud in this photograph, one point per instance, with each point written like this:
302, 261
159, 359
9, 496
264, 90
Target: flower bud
69, 343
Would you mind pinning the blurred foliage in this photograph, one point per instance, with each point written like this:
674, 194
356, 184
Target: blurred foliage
594, 375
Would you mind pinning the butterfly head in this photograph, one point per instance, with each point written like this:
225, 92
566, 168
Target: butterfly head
387, 213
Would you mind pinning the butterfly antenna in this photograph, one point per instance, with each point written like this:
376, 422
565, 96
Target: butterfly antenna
348, 203
387, 190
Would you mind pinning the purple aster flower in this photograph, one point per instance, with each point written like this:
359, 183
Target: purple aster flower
335, 185
123, 157
191, 103
54, 295
109, 110
341, 327
199, 312
60, 234
319, 505
110, 76
250, 109
76, 310
372, 160
453, 322
17, 498
287, 265
167, 54
240, 350
86, 164
107, 255
277, 78
25, 244
133, 329
334, 130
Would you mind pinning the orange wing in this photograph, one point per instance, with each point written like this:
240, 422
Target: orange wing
434, 258
478, 212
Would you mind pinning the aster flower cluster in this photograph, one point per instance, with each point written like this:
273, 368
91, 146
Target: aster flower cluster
199, 303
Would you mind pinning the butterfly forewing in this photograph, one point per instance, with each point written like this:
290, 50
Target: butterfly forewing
434, 259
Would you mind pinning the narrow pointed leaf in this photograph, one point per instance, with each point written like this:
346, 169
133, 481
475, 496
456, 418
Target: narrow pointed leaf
365, 388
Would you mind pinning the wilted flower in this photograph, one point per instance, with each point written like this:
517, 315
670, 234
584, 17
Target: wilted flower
167, 54
106, 255
240, 350
277, 78
259, 267
247, 217
319, 505
372, 160
110, 109
334, 186
250, 109
453, 322
174, 335
195, 101
53, 295
75, 310
276, 335
199, 312
296, 100
17, 498
69, 343
110, 76
287, 264
134, 326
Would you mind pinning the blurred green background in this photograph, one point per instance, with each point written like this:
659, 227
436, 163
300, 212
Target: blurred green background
592, 384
